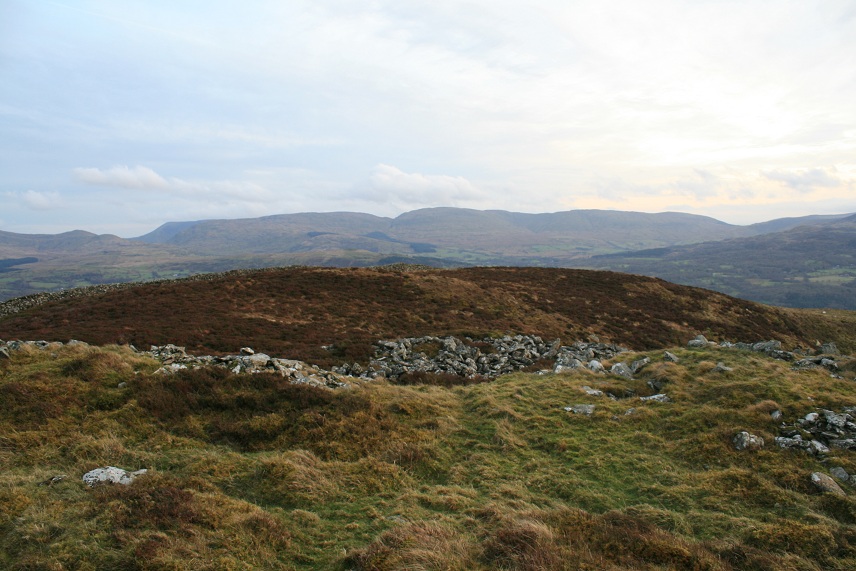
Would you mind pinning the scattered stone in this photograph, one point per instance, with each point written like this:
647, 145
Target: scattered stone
112, 475
699, 341
247, 351
670, 357
587, 409
4, 353
721, 368
826, 484
656, 398
776, 415
746, 441
629, 411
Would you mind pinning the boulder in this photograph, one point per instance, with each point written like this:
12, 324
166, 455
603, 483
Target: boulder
4, 353
670, 357
840, 473
699, 341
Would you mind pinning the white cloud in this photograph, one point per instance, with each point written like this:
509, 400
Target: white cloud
388, 184
122, 177
35, 200
805, 180
144, 178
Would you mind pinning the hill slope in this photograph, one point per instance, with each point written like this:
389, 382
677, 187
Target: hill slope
251, 472
297, 312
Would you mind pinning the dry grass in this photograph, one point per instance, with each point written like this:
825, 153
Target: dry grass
249, 473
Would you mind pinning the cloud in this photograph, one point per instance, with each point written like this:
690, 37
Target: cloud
390, 184
122, 177
805, 180
144, 178
35, 200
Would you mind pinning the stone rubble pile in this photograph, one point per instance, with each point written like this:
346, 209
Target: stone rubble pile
488, 357
175, 358
817, 432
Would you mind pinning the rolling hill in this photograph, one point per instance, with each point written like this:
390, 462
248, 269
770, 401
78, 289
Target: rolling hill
438, 237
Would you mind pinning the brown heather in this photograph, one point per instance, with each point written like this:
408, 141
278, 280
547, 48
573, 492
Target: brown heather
293, 312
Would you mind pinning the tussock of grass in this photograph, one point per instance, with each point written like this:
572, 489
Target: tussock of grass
249, 472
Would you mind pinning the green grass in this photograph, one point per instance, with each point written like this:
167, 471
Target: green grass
249, 473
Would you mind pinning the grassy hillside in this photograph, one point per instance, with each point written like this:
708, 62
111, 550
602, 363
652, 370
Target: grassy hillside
246, 472
296, 312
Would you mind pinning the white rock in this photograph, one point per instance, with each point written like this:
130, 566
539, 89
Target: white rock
111, 474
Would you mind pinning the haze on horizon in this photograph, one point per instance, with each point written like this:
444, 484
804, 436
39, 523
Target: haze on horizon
117, 116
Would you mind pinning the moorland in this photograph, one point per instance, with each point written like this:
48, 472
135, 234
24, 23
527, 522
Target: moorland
250, 471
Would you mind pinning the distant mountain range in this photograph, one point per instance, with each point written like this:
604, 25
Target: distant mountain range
803, 261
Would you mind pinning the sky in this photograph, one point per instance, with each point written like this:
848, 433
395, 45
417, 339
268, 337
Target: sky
117, 116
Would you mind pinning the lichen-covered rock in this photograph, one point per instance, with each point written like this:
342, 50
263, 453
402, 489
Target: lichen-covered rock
746, 441
111, 475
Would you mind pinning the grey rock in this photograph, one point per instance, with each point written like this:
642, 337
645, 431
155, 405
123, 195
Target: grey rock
776, 415
656, 398
247, 351
112, 475
593, 392
795, 442
840, 473
746, 441
4, 353
596, 366
670, 357
826, 484
587, 409
699, 341
721, 368
767, 346
817, 448
639, 364
622, 370
829, 349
